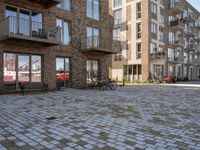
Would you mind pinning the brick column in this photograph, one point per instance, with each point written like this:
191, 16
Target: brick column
145, 40
49, 70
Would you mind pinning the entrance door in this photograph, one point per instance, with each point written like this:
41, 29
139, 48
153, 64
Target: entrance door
62, 72
92, 71
158, 71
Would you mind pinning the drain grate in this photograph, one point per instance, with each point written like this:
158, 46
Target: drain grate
51, 118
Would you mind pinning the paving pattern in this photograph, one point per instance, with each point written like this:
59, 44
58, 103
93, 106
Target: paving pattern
152, 117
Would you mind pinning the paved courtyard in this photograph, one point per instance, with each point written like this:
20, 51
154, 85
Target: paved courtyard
132, 117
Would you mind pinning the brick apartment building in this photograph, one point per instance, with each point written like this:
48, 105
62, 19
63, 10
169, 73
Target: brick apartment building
161, 38
65, 42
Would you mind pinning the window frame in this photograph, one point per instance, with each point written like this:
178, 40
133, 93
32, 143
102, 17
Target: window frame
92, 16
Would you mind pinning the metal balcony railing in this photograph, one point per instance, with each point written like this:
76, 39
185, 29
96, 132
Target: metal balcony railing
180, 42
158, 55
189, 32
176, 7
177, 23
197, 24
188, 17
119, 21
98, 44
19, 28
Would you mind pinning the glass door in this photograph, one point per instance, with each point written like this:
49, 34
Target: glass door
92, 71
24, 22
62, 72
12, 14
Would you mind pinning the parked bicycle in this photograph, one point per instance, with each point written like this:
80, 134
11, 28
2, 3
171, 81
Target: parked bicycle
108, 85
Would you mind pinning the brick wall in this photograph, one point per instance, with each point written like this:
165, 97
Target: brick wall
79, 22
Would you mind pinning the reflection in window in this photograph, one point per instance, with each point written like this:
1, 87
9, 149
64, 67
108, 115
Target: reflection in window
24, 22
62, 71
93, 9
12, 13
65, 30
36, 68
9, 65
36, 21
23, 68
92, 37
66, 5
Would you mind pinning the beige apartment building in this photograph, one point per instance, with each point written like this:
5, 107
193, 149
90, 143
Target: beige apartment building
58, 42
160, 38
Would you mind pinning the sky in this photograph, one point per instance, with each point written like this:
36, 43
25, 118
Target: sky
195, 3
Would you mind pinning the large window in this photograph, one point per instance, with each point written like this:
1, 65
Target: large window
161, 34
153, 48
170, 54
24, 22
22, 68
171, 37
65, 30
162, 16
9, 65
116, 34
154, 8
92, 70
66, 5
118, 16
153, 28
92, 37
139, 30
139, 51
62, 71
139, 10
36, 68
93, 10
117, 3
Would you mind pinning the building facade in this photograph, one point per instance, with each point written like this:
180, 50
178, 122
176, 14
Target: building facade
59, 42
160, 39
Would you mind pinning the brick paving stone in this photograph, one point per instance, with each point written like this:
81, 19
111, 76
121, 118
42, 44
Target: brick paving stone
132, 117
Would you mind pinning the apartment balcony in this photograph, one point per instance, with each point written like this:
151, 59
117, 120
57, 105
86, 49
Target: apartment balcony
95, 44
190, 61
26, 30
176, 25
177, 7
158, 55
120, 23
193, 47
189, 18
197, 24
47, 3
189, 33
179, 42
197, 38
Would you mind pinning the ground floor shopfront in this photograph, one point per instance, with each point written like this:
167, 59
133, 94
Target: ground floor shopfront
55, 67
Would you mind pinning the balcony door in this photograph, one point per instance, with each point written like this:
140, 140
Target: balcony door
92, 37
12, 13
24, 22
62, 71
